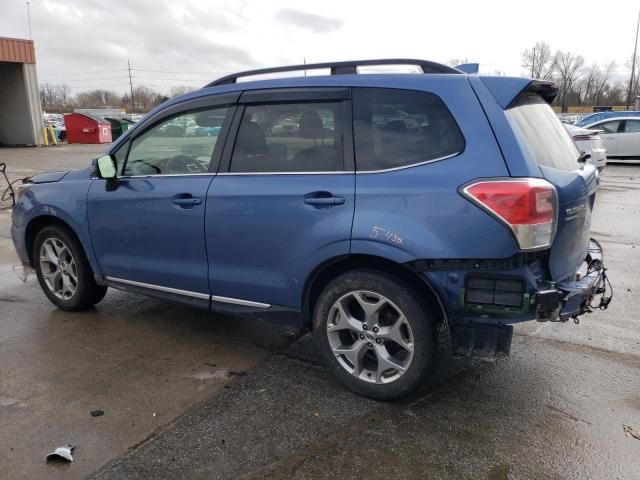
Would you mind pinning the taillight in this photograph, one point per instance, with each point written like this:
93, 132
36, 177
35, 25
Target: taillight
528, 206
579, 138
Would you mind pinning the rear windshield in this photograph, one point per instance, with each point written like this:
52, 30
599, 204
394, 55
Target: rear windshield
540, 133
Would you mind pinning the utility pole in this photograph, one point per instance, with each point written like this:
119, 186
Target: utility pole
29, 19
633, 64
133, 104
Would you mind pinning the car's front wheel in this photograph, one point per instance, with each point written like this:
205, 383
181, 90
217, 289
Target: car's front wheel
375, 334
63, 270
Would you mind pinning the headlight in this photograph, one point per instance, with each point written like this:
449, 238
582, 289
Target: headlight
20, 189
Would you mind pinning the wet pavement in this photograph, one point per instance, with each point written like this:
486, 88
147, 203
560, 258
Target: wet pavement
555, 409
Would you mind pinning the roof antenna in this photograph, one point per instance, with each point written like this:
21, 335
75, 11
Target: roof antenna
29, 19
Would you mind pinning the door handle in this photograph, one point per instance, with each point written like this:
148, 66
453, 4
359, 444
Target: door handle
323, 199
186, 201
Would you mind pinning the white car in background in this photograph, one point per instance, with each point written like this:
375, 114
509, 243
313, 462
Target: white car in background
620, 135
589, 141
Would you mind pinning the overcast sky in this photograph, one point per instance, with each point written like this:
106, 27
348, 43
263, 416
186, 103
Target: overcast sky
86, 43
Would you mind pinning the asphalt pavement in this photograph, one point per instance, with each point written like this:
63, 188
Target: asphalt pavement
186, 394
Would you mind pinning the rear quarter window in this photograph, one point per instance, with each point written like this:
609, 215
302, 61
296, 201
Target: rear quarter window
540, 132
397, 128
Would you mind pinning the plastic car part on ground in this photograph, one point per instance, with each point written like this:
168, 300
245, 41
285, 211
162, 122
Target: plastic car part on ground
630, 431
61, 453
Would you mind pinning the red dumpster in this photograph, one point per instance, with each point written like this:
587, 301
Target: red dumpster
86, 128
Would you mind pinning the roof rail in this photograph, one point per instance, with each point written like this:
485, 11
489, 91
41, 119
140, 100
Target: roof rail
339, 68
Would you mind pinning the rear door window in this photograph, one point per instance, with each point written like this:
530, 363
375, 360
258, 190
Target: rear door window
632, 126
540, 132
291, 137
397, 128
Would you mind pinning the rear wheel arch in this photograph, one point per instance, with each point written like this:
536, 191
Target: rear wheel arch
322, 276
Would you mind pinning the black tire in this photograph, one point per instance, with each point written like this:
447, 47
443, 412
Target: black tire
427, 342
87, 292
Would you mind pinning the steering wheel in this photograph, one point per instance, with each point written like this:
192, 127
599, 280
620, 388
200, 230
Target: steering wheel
183, 164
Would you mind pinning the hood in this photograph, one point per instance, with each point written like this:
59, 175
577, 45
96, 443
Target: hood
49, 177
66, 175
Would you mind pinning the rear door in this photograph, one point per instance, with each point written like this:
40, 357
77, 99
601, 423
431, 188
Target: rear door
629, 139
283, 200
542, 136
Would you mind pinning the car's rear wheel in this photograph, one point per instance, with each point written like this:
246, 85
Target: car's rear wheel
376, 335
63, 270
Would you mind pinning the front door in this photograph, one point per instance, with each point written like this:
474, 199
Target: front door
283, 201
148, 231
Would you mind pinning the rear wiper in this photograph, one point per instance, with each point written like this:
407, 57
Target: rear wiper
584, 156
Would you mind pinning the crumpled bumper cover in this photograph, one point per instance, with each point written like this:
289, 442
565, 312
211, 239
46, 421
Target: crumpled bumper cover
570, 299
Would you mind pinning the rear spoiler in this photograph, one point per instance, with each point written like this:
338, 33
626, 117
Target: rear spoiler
508, 90
469, 68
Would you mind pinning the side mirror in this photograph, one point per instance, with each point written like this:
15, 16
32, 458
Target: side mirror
108, 170
107, 167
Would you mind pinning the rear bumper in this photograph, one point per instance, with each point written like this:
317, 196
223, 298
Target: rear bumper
570, 299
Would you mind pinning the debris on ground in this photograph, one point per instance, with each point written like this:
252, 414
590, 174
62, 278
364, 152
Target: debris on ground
630, 431
236, 373
96, 413
61, 453
209, 364
23, 272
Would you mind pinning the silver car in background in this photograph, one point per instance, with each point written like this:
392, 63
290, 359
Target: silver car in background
589, 141
620, 134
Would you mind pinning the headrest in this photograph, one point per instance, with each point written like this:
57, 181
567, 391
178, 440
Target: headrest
311, 125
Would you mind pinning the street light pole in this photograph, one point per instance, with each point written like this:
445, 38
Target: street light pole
633, 64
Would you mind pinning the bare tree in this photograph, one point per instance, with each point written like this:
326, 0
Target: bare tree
586, 85
453, 62
539, 61
180, 90
603, 81
47, 96
568, 69
62, 92
98, 98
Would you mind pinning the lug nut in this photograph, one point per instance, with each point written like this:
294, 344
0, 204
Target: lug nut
369, 344
378, 341
365, 326
375, 329
361, 336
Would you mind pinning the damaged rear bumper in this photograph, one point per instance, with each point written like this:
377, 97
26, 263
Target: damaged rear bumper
570, 299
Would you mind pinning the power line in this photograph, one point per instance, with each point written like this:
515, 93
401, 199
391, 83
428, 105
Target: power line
212, 72
85, 81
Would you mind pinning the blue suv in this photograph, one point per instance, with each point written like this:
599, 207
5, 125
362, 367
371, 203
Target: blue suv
400, 216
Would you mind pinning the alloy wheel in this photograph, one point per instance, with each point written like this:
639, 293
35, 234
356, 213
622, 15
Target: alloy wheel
59, 269
370, 337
